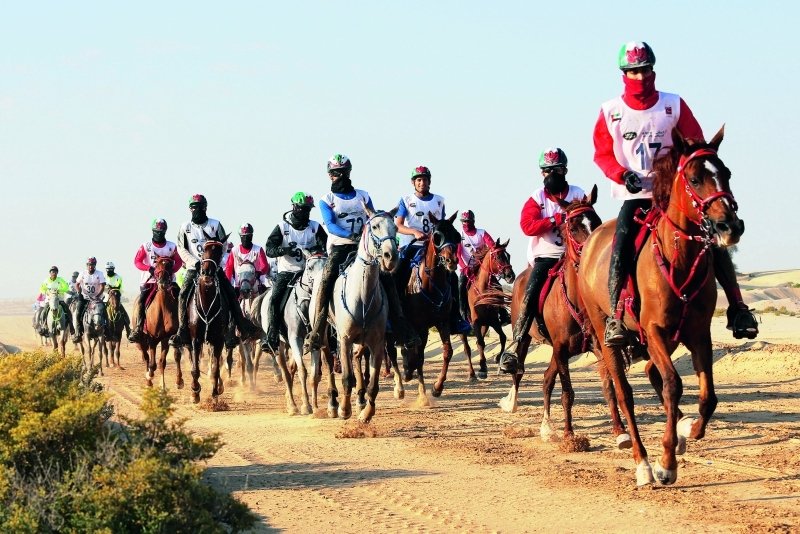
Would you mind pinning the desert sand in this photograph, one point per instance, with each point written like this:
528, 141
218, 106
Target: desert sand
453, 466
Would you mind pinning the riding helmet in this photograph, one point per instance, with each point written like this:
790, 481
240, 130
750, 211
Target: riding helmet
339, 162
636, 54
467, 216
110, 265
199, 199
91, 261
421, 172
301, 199
552, 157
53, 268
246, 229
159, 225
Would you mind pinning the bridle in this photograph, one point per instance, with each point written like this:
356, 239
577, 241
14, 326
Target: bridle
575, 248
376, 241
702, 204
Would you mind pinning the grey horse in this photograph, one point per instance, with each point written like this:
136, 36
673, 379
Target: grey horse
94, 325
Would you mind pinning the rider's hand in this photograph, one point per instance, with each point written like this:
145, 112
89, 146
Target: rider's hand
197, 266
559, 218
420, 236
632, 182
151, 270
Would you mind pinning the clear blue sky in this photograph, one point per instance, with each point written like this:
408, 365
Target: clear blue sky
114, 113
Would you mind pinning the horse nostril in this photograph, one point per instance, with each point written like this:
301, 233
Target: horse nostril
723, 227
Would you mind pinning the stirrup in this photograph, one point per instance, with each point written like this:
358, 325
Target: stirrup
743, 323
616, 334
312, 342
508, 363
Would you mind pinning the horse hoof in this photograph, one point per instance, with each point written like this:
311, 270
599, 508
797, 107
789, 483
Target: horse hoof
680, 449
291, 410
483, 375
507, 405
546, 431
306, 410
119, 367
624, 441
196, 398
333, 413
644, 474
399, 393
179, 384
366, 414
436, 392
149, 383
665, 477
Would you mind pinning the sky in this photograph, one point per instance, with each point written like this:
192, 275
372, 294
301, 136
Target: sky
114, 113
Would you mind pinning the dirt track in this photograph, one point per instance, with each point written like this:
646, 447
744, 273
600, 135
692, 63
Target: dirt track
452, 467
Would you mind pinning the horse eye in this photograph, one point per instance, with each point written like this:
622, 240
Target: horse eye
437, 239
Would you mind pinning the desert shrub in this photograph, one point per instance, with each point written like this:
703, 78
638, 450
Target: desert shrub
66, 467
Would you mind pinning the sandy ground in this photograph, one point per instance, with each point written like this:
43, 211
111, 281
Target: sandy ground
451, 466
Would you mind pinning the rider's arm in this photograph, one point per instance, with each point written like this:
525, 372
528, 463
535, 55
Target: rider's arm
488, 240
329, 220
274, 243
400, 221
43, 288
102, 290
604, 151
138, 260
229, 268
63, 287
688, 125
177, 262
262, 265
186, 255
461, 262
531, 221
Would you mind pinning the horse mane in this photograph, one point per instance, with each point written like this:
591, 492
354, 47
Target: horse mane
664, 168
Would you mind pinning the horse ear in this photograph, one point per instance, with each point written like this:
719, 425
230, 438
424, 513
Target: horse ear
504, 245
563, 203
225, 239
593, 195
717, 139
679, 142
433, 218
369, 212
452, 217
393, 211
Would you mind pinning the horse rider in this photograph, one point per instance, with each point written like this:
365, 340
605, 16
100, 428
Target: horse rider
247, 253
628, 134
413, 222
113, 280
474, 242
55, 282
72, 289
343, 215
90, 285
145, 261
288, 242
541, 219
192, 237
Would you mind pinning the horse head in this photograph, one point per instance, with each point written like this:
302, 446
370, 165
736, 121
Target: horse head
114, 297
162, 271
699, 187
499, 262
212, 257
580, 221
445, 239
52, 298
379, 238
247, 280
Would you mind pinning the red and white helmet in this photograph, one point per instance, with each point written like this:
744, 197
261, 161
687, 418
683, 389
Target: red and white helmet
246, 229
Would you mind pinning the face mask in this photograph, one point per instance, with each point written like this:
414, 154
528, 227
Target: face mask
468, 227
247, 241
199, 216
342, 185
158, 236
110, 272
299, 218
555, 183
640, 88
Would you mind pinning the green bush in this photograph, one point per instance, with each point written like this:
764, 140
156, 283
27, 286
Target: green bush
66, 467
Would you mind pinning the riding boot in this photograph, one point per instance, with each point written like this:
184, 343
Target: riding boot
457, 324
276, 303
136, 335
68, 315
43, 331
404, 333
337, 256
182, 336
79, 319
246, 328
740, 319
463, 299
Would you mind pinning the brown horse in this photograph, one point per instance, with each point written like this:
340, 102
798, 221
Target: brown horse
569, 331
208, 318
160, 323
485, 297
693, 211
428, 298
118, 321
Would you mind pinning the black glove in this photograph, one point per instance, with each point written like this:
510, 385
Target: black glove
151, 270
632, 182
197, 266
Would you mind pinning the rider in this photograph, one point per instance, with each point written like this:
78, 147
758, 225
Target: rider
541, 219
72, 282
627, 136
192, 236
287, 242
55, 282
247, 253
90, 286
145, 261
413, 220
113, 280
474, 242
343, 215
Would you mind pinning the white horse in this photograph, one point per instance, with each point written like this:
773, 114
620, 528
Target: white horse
56, 323
94, 325
360, 310
249, 350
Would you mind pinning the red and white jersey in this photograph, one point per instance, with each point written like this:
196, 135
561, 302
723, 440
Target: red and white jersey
471, 245
638, 136
91, 284
241, 259
192, 237
550, 244
148, 253
305, 239
416, 214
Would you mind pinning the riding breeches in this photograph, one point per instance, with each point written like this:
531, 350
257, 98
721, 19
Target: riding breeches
529, 308
622, 253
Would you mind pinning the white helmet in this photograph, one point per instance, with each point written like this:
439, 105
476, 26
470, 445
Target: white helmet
109, 265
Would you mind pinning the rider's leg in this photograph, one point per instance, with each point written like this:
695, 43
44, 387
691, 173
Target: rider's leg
323, 297
277, 300
68, 315
740, 318
79, 318
136, 335
182, 337
462, 297
529, 307
43, 319
404, 333
621, 255
457, 324
246, 328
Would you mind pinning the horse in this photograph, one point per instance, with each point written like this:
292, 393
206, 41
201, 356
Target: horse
428, 298
160, 323
693, 210
297, 326
72, 303
360, 311
118, 322
56, 323
485, 297
249, 349
208, 318
94, 325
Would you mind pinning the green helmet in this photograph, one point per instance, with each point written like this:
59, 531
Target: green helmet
552, 157
301, 199
636, 54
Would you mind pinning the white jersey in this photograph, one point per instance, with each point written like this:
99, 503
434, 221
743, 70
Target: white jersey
638, 137
350, 215
91, 284
305, 239
192, 237
153, 252
417, 214
551, 243
472, 244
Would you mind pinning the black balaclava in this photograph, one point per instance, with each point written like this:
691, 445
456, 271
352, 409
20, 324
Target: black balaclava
342, 183
247, 241
199, 214
299, 216
555, 182
159, 237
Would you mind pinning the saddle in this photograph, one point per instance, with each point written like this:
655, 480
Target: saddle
348, 261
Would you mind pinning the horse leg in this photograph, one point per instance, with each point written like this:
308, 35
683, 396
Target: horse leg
229, 360
150, 365
391, 352
622, 438
546, 429
316, 377
346, 357
447, 355
561, 356
333, 394
510, 403
296, 346
216, 374
702, 359
196, 348
177, 354
360, 377
502, 335
480, 341
280, 359
377, 355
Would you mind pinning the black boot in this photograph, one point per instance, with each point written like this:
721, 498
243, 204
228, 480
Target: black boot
277, 300
43, 331
136, 335
68, 315
313, 340
404, 333
463, 298
740, 319
76, 338
182, 338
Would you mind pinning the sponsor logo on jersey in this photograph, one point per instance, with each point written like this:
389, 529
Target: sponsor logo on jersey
194, 240
629, 136
342, 215
412, 205
668, 110
419, 214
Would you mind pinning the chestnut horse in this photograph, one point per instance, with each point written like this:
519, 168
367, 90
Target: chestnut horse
118, 321
694, 211
160, 323
485, 297
428, 298
208, 318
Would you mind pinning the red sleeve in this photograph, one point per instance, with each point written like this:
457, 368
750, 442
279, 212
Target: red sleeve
229, 267
262, 266
461, 263
177, 261
688, 125
604, 151
487, 240
138, 260
531, 220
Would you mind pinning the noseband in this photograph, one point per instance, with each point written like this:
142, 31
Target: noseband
374, 239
